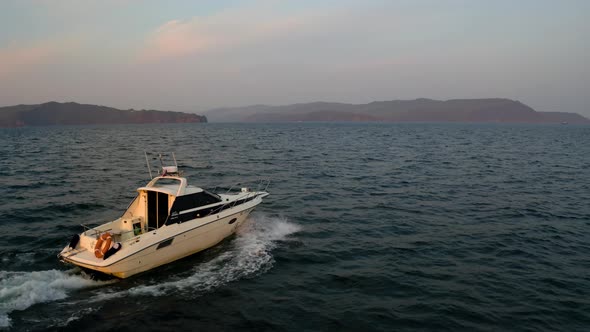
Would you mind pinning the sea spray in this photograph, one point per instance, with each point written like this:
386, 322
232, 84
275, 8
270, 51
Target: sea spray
20, 290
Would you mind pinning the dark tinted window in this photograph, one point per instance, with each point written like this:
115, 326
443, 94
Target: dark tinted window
192, 201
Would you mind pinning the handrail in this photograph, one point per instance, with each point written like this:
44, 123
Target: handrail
232, 187
88, 228
261, 185
99, 232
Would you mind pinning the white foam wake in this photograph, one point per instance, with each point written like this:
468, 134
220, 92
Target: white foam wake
20, 290
248, 254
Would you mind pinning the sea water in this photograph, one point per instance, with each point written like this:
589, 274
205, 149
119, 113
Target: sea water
369, 227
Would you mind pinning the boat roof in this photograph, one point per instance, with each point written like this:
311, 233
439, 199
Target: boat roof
171, 185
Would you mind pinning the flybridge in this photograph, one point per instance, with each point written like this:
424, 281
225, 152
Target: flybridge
165, 170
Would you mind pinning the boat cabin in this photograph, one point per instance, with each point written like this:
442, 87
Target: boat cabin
158, 196
161, 201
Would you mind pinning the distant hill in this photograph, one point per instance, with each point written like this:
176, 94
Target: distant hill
495, 110
54, 113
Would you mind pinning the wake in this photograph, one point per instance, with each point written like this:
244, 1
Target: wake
20, 290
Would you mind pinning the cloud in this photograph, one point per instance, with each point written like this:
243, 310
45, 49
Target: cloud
219, 32
177, 38
25, 58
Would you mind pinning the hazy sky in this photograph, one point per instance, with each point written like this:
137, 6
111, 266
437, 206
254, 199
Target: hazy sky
195, 55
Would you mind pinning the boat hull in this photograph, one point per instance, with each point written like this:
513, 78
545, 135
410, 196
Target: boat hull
172, 248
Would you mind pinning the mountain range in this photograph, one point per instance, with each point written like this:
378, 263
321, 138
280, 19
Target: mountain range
54, 113
495, 110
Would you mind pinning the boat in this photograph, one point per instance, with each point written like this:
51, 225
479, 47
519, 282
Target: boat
167, 220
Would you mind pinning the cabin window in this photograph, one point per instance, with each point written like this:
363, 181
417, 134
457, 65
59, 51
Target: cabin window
195, 200
192, 201
137, 228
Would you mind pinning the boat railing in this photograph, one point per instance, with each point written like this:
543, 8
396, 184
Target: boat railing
164, 158
91, 227
261, 186
263, 183
92, 231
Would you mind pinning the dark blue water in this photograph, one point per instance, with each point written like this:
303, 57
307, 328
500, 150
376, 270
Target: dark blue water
369, 227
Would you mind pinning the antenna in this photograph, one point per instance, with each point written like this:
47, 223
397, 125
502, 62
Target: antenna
148, 164
161, 162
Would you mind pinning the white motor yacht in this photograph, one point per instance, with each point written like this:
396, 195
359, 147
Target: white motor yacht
168, 220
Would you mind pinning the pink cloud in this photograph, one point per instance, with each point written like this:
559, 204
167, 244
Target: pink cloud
219, 32
18, 59
177, 38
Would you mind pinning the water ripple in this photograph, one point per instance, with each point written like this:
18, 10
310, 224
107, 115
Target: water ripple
379, 227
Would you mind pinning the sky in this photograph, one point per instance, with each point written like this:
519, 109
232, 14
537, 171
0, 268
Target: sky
192, 56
